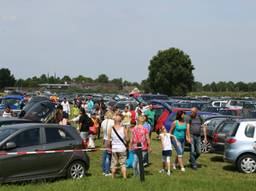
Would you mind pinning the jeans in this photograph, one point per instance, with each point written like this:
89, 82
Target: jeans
195, 149
106, 160
179, 147
136, 167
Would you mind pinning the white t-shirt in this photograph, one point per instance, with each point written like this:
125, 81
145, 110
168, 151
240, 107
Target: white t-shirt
105, 125
66, 107
5, 114
117, 144
127, 118
166, 141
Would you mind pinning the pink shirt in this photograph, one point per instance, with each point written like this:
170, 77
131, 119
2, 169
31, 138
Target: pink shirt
139, 135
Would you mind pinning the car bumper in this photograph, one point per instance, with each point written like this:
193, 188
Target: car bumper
229, 156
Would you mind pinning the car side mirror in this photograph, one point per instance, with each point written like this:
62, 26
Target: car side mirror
10, 145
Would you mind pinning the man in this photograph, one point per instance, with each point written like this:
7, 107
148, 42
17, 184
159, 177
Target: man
66, 108
84, 124
195, 125
106, 125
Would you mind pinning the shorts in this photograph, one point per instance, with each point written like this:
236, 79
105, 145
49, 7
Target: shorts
166, 156
65, 115
84, 135
118, 158
167, 153
179, 147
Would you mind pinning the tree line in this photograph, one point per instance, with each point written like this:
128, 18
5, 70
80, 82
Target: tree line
224, 87
8, 80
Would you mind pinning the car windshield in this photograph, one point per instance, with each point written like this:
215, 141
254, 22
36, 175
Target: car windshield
6, 132
8, 101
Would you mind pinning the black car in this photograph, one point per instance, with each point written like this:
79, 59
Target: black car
12, 120
41, 137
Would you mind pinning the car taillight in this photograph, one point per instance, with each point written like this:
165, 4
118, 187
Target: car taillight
230, 140
215, 137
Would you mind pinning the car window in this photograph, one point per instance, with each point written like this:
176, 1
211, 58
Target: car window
4, 133
56, 135
249, 131
27, 138
214, 123
217, 104
227, 127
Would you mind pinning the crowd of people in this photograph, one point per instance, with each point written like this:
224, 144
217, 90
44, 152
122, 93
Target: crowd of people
125, 133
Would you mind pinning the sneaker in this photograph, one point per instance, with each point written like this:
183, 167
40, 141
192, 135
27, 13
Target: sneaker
109, 174
183, 169
103, 173
194, 167
169, 173
161, 171
174, 166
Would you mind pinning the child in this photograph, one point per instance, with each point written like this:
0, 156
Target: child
166, 150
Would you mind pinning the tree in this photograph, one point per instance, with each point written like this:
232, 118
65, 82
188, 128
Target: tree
170, 72
82, 79
118, 82
102, 78
6, 78
66, 79
197, 87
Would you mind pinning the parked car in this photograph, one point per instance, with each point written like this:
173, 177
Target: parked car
121, 104
14, 101
240, 147
219, 103
231, 112
41, 137
210, 109
212, 123
221, 133
12, 120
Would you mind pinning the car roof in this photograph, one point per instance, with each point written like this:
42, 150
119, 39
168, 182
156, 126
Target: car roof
246, 120
29, 125
12, 119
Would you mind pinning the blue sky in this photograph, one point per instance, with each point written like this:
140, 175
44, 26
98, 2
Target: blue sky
119, 37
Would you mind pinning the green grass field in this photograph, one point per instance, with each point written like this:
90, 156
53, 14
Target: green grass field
214, 174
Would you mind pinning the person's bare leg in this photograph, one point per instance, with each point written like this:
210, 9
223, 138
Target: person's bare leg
113, 172
169, 166
124, 172
180, 160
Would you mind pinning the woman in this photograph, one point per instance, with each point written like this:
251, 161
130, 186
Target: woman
179, 129
118, 137
140, 138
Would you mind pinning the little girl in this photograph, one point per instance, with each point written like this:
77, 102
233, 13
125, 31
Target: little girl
166, 150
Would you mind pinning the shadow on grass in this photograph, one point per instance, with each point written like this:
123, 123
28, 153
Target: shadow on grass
217, 159
230, 168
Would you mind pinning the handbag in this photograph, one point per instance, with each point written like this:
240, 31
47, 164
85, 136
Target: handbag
126, 146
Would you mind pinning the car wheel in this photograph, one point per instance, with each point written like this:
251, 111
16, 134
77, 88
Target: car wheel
206, 147
247, 164
76, 170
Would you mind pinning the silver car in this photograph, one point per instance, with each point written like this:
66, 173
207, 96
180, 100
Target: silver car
240, 146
